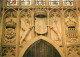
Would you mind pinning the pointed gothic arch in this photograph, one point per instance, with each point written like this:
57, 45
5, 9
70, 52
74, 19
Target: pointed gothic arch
72, 12
10, 12
28, 44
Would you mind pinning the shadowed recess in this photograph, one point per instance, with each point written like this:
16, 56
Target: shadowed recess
41, 48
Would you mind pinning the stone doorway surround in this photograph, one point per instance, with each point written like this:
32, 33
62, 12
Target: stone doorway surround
27, 45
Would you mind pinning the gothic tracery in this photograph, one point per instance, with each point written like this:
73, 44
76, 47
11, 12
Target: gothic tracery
71, 25
26, 21
55, 24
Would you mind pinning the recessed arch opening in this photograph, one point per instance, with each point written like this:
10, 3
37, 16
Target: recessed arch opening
41, 48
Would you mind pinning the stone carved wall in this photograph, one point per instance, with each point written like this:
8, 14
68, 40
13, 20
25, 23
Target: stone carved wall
9, 34
26, 27
55, 25
71, 26
0, 27
73, 50
10, 31
40, 24
10, 27
71, 31
9, 51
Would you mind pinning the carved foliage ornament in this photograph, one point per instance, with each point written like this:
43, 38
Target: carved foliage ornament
25, 27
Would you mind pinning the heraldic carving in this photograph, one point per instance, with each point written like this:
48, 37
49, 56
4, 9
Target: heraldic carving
40, 23
10, 29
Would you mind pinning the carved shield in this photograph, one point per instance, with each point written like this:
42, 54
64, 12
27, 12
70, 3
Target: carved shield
40, 25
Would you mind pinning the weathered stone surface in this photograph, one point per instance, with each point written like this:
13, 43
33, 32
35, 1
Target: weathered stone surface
21, 26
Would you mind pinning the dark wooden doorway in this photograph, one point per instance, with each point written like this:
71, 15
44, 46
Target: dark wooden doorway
41, 48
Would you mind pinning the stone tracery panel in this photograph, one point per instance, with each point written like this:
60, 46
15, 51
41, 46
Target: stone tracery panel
9, 33
9, 51
73, 51
55, 25
25, 26
71, 26
71, 33
10, 26
10, 29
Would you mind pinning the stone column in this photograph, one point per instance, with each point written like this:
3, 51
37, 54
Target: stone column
49, 31
64, 42
0, 28
78, 25
47, 2
61, 2
1, 24
32, 24
18, 33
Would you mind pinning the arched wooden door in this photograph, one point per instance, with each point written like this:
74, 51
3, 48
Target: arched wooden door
41, 48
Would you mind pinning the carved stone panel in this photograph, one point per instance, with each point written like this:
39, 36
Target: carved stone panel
25, 25
73, 51
9, 30
9, 51
41, 25
55, 25
40, 22
71, 26
9, 27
